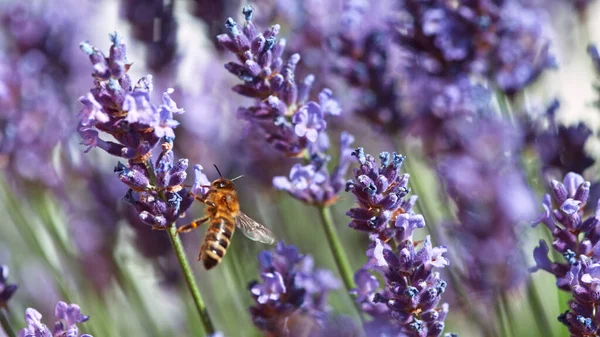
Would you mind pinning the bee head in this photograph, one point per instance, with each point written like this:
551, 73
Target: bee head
223, 183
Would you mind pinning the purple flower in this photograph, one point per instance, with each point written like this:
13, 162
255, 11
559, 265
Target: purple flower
91, 111
380, 191
282, 112
561, 148
409, 303
69, 315
574, 235
492, 198
145, 17
125, 110
7, 290
580, 5
308, 122
292, 295
201, 183
312, 183
503, 42
38, 72
522, 51
583, 278
154, 209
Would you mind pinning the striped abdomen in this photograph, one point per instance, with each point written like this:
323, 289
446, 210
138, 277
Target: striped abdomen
216, 241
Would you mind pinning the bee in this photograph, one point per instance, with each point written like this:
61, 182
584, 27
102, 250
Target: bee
224, 214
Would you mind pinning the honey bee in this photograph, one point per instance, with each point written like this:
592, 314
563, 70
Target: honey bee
223, 212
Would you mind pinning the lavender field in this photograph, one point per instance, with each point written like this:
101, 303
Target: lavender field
300, 168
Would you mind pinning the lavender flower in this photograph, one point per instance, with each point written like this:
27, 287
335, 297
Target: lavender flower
312, 183
7, 290
584, 279
380, 191
573, 235
282, 111
153, 23
409, 302
441, 106
125, 112
162, 203
37, 75
291, 300
360, 54
493, 200
213, 13
118, 108
502, 41
68, 316
561, 148
580, 5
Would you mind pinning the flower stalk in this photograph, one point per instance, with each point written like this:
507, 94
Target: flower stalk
8, 330
339, 255
186, 269
190, 280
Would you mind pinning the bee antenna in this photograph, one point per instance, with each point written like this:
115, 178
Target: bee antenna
236, 178
220, 175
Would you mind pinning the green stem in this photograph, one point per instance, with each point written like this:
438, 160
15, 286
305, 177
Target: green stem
509, 315
538, 308
341, 260
504, 105
501, 317
190, 280
6, 324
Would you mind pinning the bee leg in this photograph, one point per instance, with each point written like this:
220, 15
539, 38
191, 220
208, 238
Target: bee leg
204, 201
195, 223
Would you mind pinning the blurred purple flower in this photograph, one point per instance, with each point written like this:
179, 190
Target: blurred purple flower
502, 41
154, 24
580, 5
213, 13
292, 295
282, 112
483, 178
312, 183
310, 22
442, 104
380, 191
522, 52
38, 73
7, 290
359, 53
69, 315
561, 148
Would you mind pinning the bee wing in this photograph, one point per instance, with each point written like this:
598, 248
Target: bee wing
253, 230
